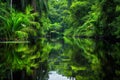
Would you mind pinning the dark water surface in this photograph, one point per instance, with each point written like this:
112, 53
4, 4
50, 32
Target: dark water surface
60, 59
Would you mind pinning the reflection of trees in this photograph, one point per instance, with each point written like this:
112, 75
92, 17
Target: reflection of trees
21, 61
76, 60
81, 59
98, 60
83, 63
109, 56
17, 57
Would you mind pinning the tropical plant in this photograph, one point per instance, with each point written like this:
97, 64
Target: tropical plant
15, 23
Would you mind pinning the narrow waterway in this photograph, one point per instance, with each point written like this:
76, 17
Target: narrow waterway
60, 59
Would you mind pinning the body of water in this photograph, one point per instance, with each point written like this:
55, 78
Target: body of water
60, 59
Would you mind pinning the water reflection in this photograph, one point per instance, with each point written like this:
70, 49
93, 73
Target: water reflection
108, 53
53, 75
64, 59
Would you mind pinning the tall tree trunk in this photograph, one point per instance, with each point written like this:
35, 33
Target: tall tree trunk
11, 6
34, 4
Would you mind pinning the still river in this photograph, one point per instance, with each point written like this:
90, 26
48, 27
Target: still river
60, 59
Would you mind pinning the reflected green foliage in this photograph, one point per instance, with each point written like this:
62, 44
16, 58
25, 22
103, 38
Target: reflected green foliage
18, 57
89, 61
109, 57
23, 58
74, 58
82, 64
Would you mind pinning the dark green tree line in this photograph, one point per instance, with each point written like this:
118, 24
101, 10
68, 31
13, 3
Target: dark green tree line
107, 19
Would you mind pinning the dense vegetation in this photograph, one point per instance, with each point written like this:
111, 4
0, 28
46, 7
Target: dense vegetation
25, 20
44, 22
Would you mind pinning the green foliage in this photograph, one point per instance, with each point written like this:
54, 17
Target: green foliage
75, 62
108, 18
69, 32
79, 10
58, 12
76, 58
55, 26
116, 24
45, 24
69, 17
21, 35
82, 19
14, 23
19, 57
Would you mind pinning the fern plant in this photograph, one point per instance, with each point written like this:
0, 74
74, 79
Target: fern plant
14, 23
